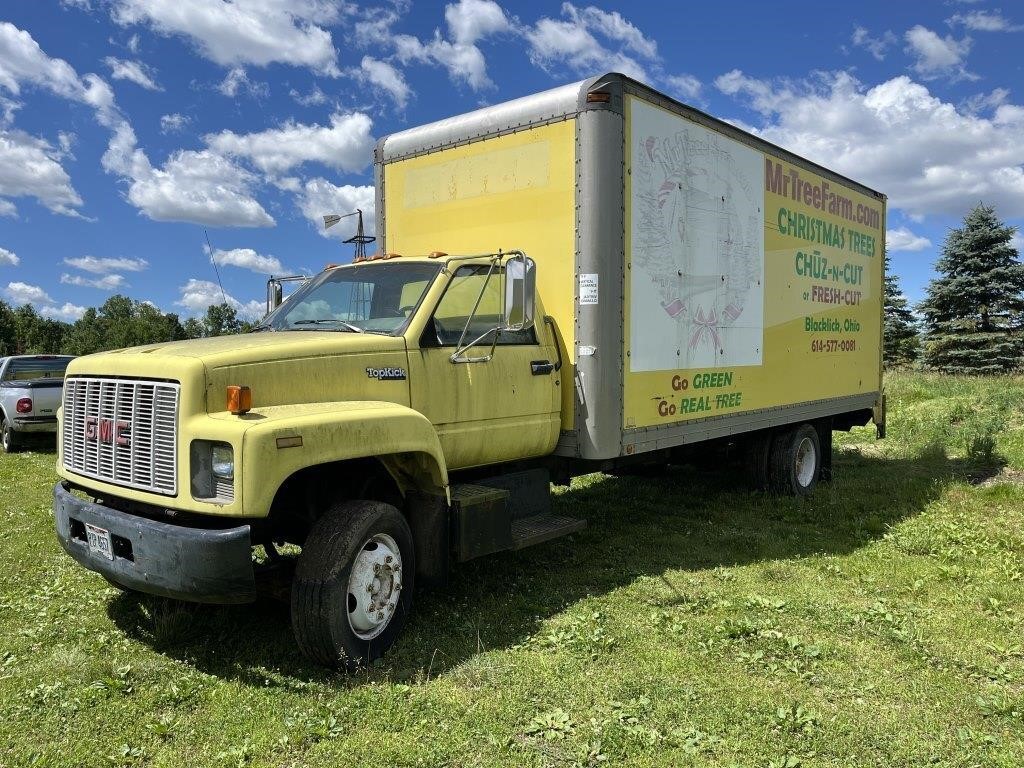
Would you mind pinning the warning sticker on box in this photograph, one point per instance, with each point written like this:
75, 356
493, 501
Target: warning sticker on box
588, 289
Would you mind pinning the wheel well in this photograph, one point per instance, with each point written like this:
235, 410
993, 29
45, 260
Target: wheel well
305, 495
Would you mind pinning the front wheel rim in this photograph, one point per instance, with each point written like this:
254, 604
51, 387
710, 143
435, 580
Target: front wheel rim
374, 586
806, 462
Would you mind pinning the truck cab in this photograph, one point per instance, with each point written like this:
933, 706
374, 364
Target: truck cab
348, 406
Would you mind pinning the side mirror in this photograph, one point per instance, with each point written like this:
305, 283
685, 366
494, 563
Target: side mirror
275, 294
520, 293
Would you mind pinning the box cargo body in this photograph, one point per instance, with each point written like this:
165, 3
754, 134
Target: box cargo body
703, 282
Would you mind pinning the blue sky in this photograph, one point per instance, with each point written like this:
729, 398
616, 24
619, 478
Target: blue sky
126, 126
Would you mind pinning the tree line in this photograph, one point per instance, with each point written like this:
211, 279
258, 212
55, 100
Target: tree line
119, 322
972, 318
971, 321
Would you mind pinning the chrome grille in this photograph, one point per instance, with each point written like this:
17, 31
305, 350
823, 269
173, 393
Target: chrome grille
122, 431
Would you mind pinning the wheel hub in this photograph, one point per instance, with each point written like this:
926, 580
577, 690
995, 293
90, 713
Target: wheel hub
805, 462
374, 586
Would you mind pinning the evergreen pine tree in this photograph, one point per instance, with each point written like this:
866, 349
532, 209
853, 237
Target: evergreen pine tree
900, 336
974, 313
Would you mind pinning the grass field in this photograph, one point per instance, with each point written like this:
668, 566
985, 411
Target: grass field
692, 623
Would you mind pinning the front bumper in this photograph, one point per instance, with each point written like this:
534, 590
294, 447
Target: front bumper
195, 564
35, 424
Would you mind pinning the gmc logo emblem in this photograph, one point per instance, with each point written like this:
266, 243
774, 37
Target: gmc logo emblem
108, 431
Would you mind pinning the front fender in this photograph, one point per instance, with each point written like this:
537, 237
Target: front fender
281, 440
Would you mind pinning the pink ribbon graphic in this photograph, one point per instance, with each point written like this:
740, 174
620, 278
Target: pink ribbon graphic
706, 326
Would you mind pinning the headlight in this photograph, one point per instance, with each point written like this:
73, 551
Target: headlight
212, 469
223, 460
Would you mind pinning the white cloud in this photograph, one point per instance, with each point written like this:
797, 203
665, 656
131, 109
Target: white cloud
173, 122
613, 26
7, 209
247, 258
1018, 242
982, 101
105, 283
385, 77
573, 42
199, 187
464, 63
241, 32
31, 167
902, 239
23, 293
314, 98
134, 71
372, 27
683, 87
320, 197
197, 295
68, 312
9, 258
938, 56
876, 46
237, 80
346, 144
23, 61
984, 21
105, 266
928, 156
472, 20
469, 22
202, 188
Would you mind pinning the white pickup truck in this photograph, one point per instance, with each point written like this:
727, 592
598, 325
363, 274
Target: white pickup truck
31, 388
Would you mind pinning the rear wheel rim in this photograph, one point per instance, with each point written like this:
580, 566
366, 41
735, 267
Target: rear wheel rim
806, 462
374, 586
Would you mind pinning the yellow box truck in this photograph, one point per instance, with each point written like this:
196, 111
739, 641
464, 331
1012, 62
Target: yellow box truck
596, 277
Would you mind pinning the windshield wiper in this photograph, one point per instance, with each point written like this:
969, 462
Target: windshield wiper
260, 328
349, 326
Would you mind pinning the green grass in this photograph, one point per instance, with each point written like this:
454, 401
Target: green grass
692, 623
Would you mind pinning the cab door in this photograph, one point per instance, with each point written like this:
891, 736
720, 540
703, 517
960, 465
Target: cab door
485, 412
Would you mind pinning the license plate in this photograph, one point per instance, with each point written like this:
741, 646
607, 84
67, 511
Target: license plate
99, 541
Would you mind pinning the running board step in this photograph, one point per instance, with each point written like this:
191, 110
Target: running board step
527, 531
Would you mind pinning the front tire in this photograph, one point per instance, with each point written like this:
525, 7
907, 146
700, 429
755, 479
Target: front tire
353, 585
795, 461
10, 440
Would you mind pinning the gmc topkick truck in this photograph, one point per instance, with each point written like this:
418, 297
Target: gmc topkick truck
591, 278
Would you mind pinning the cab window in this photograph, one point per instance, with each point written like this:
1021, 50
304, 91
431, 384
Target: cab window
456, 307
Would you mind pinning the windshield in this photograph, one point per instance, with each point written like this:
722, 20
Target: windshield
373, 298
31, 368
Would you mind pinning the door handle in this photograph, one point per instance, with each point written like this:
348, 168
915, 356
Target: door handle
541, 367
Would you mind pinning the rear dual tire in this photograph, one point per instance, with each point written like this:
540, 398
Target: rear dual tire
795, 460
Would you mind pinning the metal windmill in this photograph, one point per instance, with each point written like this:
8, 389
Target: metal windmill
359, 238
362, 293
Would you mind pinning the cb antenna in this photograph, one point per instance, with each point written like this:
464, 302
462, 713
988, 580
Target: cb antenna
360, 239
216, 269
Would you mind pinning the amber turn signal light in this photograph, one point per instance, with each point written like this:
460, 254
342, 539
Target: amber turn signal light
239, 400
